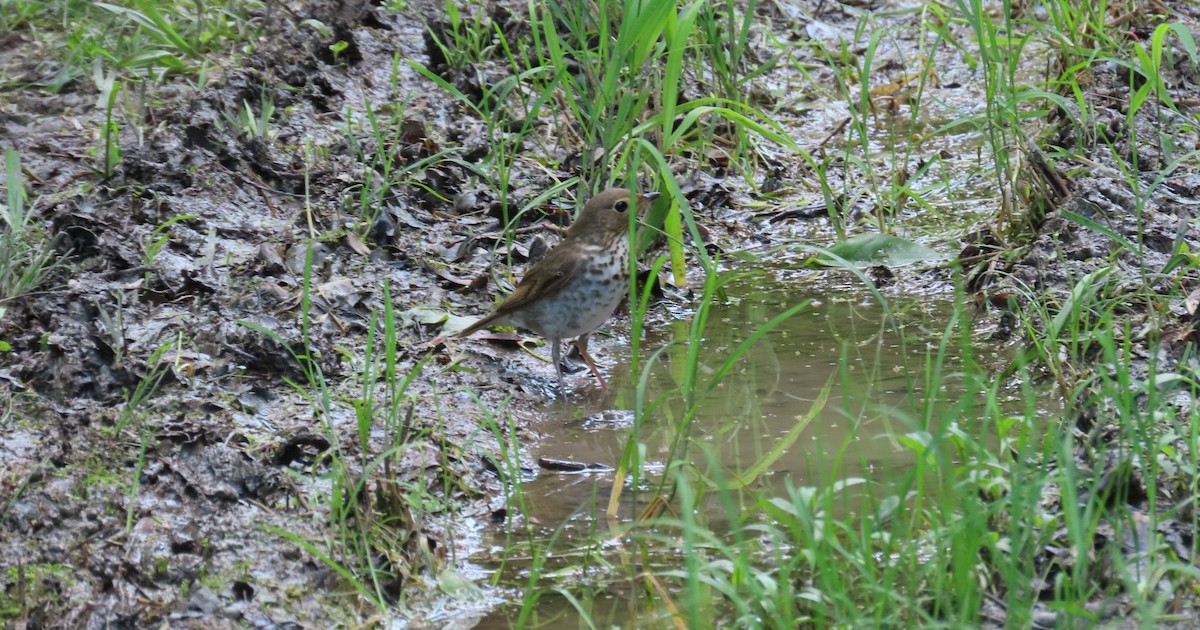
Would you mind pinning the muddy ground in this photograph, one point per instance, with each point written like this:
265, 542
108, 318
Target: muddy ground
125, 514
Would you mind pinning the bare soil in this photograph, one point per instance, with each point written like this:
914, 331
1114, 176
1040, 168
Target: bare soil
230, 446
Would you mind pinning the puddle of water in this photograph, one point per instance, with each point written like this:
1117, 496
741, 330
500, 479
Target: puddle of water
777, 382
877, 364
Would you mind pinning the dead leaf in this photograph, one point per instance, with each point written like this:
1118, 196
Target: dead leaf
889, 89
336, 290
1192, 302
357, 245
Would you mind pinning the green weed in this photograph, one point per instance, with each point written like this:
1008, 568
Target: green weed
28, 260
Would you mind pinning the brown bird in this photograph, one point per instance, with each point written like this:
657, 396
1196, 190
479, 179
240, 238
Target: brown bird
575, 288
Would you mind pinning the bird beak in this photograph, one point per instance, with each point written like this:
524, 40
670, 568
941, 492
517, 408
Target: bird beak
645, 199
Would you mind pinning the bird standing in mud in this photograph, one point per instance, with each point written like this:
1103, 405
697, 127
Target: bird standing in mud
575, 288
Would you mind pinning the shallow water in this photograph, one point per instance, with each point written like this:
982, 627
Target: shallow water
874, 363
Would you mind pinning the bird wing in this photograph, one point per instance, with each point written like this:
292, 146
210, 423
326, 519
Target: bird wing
549, 276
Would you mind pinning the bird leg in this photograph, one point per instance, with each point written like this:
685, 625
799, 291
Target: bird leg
556, 355
581, 343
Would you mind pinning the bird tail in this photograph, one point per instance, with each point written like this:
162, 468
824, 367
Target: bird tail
490, 320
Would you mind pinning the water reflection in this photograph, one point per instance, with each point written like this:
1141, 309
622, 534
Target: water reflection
877, 363
873, 360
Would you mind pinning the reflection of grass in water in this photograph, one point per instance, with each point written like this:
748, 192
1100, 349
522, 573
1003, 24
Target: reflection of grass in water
41, 582
754, 584
730, 551
968, 523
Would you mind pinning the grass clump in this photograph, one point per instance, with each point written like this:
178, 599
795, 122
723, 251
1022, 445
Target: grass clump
624, 95
28, 260
373, 513
138, 39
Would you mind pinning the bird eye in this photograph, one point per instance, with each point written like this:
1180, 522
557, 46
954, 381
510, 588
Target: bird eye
622, 206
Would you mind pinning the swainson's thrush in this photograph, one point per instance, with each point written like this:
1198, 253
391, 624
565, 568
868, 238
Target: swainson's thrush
575, 288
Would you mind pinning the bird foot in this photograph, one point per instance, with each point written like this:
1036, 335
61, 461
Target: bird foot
572, 367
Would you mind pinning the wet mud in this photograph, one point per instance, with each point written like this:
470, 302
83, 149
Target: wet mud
162, 439
154, 452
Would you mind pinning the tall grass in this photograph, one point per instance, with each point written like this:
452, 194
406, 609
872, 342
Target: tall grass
609, 77
1042, 491
999, 515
